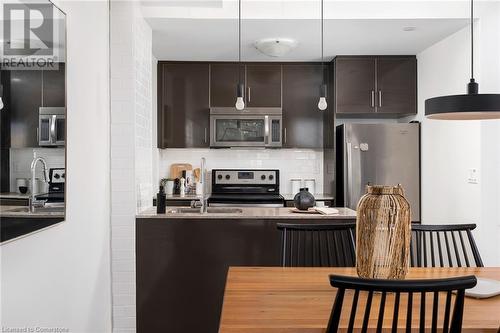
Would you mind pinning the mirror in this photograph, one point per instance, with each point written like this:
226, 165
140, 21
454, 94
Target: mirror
32, 118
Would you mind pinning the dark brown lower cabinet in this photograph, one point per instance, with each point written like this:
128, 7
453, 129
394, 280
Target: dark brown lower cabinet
181, 267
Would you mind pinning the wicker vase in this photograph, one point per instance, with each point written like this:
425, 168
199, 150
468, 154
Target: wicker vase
383, 232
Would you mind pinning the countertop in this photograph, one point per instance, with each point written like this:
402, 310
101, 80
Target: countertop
320, 196
23, 211
14, 195
250, 213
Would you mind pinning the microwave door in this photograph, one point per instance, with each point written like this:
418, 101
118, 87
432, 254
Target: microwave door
238, 131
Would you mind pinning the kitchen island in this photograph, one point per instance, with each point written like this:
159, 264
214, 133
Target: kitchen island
182, 260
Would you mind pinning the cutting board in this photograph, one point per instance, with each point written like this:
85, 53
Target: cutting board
177, 168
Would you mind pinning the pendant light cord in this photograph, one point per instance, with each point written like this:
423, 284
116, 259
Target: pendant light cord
472, 38
322, 57
239, 41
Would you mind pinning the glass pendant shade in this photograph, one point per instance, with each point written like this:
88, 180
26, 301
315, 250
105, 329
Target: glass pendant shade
322, 104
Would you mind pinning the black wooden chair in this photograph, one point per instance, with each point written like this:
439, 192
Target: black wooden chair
401, 293
444, 246
318, 245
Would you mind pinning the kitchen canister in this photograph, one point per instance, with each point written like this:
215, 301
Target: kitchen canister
383, 232
22, 185
311, 185
296, 185
169, 187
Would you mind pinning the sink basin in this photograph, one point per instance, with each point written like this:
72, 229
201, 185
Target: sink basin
210, 210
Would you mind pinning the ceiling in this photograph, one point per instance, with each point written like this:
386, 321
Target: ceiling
198, 39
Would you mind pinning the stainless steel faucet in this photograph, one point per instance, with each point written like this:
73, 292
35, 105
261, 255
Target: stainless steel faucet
33, 202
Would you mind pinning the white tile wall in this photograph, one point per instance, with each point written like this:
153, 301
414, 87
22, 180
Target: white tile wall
292, 163
20, 162
131, 149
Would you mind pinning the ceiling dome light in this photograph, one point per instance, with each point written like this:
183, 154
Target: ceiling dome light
275, 47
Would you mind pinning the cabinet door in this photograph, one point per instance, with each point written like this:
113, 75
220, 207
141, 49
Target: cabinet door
302, 121
54, 87
263, 85
354, 85
224, 79
183, 108
397, 85
25, 99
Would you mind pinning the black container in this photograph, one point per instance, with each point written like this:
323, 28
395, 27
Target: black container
177, 186
304, 199
161, 201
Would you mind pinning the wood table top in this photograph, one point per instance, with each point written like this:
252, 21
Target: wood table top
276, 299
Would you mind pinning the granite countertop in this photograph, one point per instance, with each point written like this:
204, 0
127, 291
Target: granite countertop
14, 195
320, 196
249, 213
178, 197
23, 211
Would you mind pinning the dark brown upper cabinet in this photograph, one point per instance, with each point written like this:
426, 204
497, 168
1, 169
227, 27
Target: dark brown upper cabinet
397, 85
224, 79
375, 85
302, 120
54, 90
263, 85
183, 105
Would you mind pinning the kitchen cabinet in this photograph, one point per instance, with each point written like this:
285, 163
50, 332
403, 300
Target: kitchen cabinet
224, 79
29, 90
263, 85
183, 105
302, 121
397, 85
375, 86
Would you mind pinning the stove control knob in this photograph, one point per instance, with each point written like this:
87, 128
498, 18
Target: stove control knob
63, 175
56, 176
228, 176
219, 177
263, 177
271, 177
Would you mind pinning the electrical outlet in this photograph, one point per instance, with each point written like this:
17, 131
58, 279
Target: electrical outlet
473, 176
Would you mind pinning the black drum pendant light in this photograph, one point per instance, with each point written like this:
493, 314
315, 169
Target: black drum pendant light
322, 104
240, 103
472, 106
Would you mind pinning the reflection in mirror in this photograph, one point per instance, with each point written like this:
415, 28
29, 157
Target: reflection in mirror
32, 118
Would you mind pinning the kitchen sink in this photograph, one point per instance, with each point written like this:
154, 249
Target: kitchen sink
210, 210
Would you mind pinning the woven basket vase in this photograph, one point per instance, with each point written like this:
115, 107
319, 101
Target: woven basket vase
383, 232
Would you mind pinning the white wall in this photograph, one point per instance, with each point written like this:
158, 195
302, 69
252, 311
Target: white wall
292, 163
451, 148
131, 149
60, 277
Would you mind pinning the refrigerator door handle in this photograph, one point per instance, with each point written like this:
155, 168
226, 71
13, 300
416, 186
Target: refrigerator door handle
348, 194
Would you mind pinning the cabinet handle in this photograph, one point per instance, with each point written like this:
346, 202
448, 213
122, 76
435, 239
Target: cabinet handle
373, 98
205, 136
380, 98
249, 95
284, 134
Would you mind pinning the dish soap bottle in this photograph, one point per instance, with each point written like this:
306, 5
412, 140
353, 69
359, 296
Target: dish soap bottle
161, 201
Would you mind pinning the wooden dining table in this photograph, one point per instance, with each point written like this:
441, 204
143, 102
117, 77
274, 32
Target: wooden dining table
278, 299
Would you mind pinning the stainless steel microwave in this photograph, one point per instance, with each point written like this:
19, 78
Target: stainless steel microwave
51, 126
247, 128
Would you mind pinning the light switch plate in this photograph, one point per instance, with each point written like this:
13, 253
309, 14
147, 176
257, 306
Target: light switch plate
473, 176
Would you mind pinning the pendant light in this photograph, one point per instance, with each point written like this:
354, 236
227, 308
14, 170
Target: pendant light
322, 105
470, 106
240, 103
1, 96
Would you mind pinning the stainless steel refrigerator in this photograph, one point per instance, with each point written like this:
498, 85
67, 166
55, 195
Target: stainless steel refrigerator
377, 154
